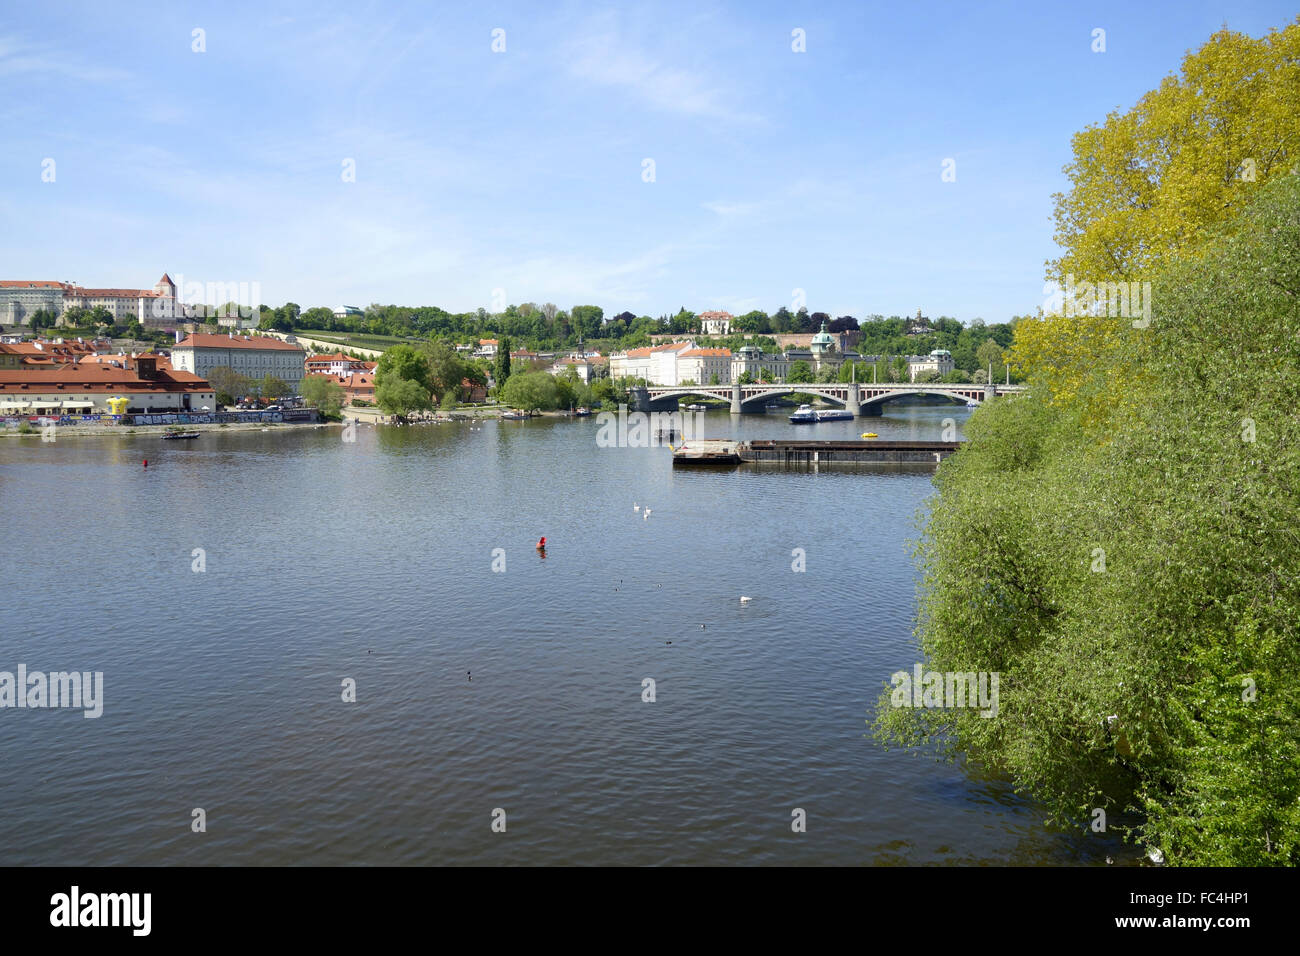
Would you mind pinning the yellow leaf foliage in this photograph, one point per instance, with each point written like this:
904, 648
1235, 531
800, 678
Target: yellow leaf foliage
1146, 188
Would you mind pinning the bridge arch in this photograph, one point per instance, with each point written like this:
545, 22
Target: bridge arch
827, 392
958, 395
861, 398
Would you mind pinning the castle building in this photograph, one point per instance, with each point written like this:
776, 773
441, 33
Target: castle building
159, 306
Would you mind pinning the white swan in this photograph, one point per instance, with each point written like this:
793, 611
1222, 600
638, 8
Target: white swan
745, 600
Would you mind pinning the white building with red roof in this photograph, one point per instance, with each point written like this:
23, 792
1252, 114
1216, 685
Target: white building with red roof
20, 299
254, 356
337, 364
715, 323
84, 388
704, 366
657, 364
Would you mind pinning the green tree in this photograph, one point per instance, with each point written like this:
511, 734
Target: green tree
317, 318
272, 387
229, 385
1131, 577
447, 370
324, 393
502, 370
403, 381
77, 316
401, 396
45, 319
404, 362
530, 391
990, 354
587, 319
1146, 185
800, 371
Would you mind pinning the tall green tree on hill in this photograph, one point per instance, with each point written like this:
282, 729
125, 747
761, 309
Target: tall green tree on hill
502, 370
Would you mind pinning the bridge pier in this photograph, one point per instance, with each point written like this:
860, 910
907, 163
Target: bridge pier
853, 403
735, 398
990, 392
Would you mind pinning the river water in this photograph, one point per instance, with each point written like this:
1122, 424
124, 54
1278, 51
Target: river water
477, 689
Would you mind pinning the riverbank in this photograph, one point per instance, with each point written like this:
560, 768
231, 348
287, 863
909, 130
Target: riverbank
374, 416
93, 430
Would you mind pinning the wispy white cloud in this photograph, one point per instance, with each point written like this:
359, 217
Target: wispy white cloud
603, 59
18, 57
732, 210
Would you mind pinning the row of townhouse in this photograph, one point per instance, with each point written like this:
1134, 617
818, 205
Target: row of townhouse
680, 363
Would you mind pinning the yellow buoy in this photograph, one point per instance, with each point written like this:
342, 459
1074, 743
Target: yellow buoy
870, 435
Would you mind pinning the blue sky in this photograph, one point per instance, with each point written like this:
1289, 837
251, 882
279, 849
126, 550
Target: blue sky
522, 170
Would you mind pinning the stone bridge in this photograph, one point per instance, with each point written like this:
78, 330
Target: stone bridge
861, 400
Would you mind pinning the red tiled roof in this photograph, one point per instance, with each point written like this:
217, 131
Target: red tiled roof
161, 361
693, 353
49, 351
97, 377
85, 293
28, 284
352, 380
204, 340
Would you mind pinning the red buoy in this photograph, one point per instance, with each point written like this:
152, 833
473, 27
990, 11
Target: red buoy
541, 545
146, 462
